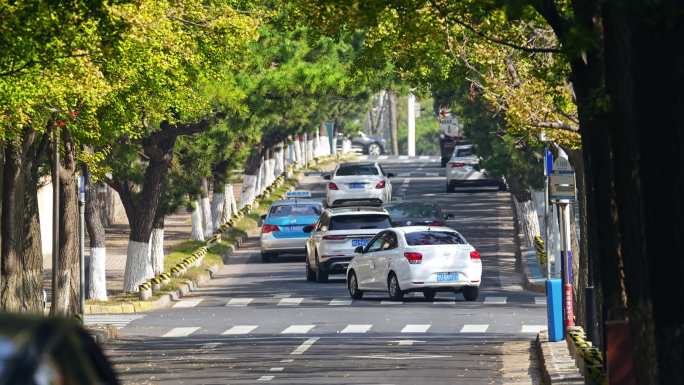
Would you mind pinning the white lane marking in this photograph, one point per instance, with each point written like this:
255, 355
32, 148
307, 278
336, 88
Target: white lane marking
532, 328
352, 328
279, 369
431, 174
540, 300
210, 345
181, 332
118, 320
265, 378
391, 302
406, 342
304, 346
481, 328
290, 301
413, 328
399, 356
191, 302
287, 360
340, 302
424, 157
297, 329
239, 301
444, 303
282, 295
403, 157
239, 329
495, 300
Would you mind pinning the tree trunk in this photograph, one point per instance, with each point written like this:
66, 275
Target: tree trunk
249, 183
325, 141
21, 259
207, 223
65, 300
279, 165
97, 285
218, 204
393, 121
157, 246
197, 232
310, 148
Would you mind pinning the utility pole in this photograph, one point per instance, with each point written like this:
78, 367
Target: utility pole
393, 121
411, 137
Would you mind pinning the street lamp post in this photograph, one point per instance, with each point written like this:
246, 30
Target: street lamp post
55, 213
81, 245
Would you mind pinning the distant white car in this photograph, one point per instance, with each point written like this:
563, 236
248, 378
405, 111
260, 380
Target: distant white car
416, 258
338, 232
463, 169
358, 183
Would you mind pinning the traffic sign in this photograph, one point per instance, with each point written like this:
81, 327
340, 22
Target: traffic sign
562, 181
448, 124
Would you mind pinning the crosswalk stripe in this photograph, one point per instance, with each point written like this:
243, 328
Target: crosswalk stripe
190, 302
540, 300
356, 328
412, 328
265, 378
340, 302
532, 328
240, 329
239, 301
474, 328
181, 332
304, 346
117, 320
290, 301
297, 329
495, 300
277, 369
391, 302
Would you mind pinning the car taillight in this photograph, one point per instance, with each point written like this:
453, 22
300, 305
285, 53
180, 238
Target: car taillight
456, 164
474, 255
269, 228
413, 257
436, 223
334, 237
332, 186
380, 184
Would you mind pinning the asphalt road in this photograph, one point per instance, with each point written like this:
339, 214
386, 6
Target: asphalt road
264, 323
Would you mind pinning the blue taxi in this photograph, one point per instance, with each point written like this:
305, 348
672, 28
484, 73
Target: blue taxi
282, 227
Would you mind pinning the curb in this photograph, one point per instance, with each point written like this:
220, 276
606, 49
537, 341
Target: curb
557, 366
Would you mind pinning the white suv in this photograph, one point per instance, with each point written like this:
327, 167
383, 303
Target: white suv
463, 169
357, 183
337, 233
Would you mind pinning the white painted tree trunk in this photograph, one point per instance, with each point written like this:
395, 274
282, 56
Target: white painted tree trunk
157, 251
305, 150
138, 265
230, 198
310, 148
207, 224
97, 272
260, 178
227, 210
197, 233
249, 186
271, 170
298, 151
218, 204
279, 165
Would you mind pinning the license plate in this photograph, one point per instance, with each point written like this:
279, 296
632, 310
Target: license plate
447, 277
295, 228
357, 185
359, 242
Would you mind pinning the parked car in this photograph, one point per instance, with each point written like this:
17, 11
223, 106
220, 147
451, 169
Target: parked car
416, 258
338, 232
463, 169
414, 213
366, 144
358, 183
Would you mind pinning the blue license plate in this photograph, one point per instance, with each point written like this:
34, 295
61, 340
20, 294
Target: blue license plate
357, 185
359, 242
447, 277
294, 227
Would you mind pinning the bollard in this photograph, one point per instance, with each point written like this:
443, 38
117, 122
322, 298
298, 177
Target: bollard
554, 309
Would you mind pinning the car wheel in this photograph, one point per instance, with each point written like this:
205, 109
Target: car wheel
393, 288
321, 275
374, 149
310, 274
353, 287
470, 293
266, 257
429, 294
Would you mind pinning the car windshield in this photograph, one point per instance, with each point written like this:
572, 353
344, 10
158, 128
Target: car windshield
462, 152
426, 238
413, 210
299, 209
357, 169
359, 222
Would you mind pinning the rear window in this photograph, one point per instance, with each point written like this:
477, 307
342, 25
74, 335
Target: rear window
303, 209
366, 169
461, 152
359, 222
422, 238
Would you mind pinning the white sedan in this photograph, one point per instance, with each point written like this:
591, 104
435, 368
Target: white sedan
416, 258
358, 183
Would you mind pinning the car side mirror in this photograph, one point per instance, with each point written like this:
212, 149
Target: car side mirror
358, 250
390, 175
327, 177
308, 228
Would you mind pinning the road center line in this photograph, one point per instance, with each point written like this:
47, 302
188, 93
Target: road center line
304, 346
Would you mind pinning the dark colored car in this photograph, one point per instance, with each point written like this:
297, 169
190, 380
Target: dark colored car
370, 145
417, 214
